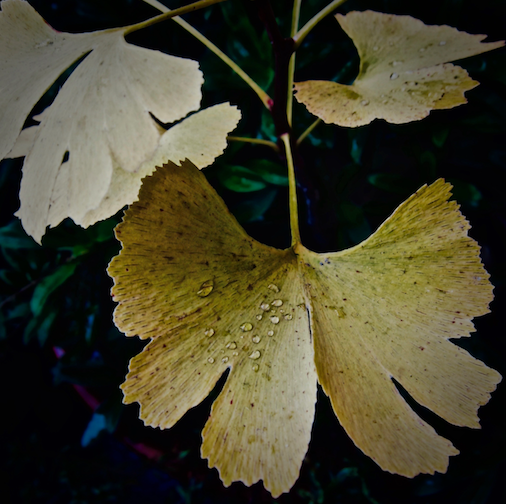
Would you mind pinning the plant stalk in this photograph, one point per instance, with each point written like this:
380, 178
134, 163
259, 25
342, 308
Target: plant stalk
259, 141
201, 4
304, 31
292, 186
264, 97
291, 64
308, 130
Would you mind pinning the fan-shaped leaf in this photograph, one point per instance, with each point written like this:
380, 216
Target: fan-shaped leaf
210, 298
404, 71
100, 117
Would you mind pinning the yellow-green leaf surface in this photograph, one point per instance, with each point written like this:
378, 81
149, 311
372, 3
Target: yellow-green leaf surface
101, 115
404, 71
211, 298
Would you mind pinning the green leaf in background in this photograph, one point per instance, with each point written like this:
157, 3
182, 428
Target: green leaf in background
358, 138
253, 209
49, 284
270, 172
465, 192
240, 179
391, 182
104, 419
13, 236
96, 426
439, 136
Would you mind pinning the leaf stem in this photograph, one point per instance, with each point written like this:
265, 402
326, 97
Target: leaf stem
264, 97
304, 31
260, 141
308, 130
201, 4
292, 185
291, 64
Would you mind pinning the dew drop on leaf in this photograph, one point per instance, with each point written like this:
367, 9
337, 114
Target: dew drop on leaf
255, 355
224, 360
255, 367
206, 288
394, 76
270, 333
274, 319
209, 332
273, 287
288, 316
210, 360
259, 317
265, 306
246, 327
232, 345
277, 302
256, 339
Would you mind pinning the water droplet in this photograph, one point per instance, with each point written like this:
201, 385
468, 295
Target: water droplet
255, 367
273, 287
394, 76
403, 88
364, 103
274, 320
209, 332
246, 327
397, 63
259, 317
225, 359
265, 306
375, 48
44, 44
443, 42
210, 360
206, 288
422, 49
277, 302
340, 312
281, 310
232, 345
235, 354
270, 333
288, 316
255, 355
256, 339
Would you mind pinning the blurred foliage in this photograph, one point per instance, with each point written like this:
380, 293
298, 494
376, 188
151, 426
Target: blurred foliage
66, 436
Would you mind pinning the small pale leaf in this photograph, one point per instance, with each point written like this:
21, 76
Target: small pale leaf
404, 71
210, 298
200, 137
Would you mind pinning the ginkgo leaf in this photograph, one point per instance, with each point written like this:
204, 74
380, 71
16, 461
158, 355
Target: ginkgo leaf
200, 137
100, 117
211, 298
404, 71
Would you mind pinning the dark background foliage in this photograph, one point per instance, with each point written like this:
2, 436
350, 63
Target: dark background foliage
66, 437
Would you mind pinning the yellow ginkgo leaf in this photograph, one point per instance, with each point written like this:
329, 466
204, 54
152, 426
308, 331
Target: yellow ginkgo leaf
101, 115
404, 71
211, 298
